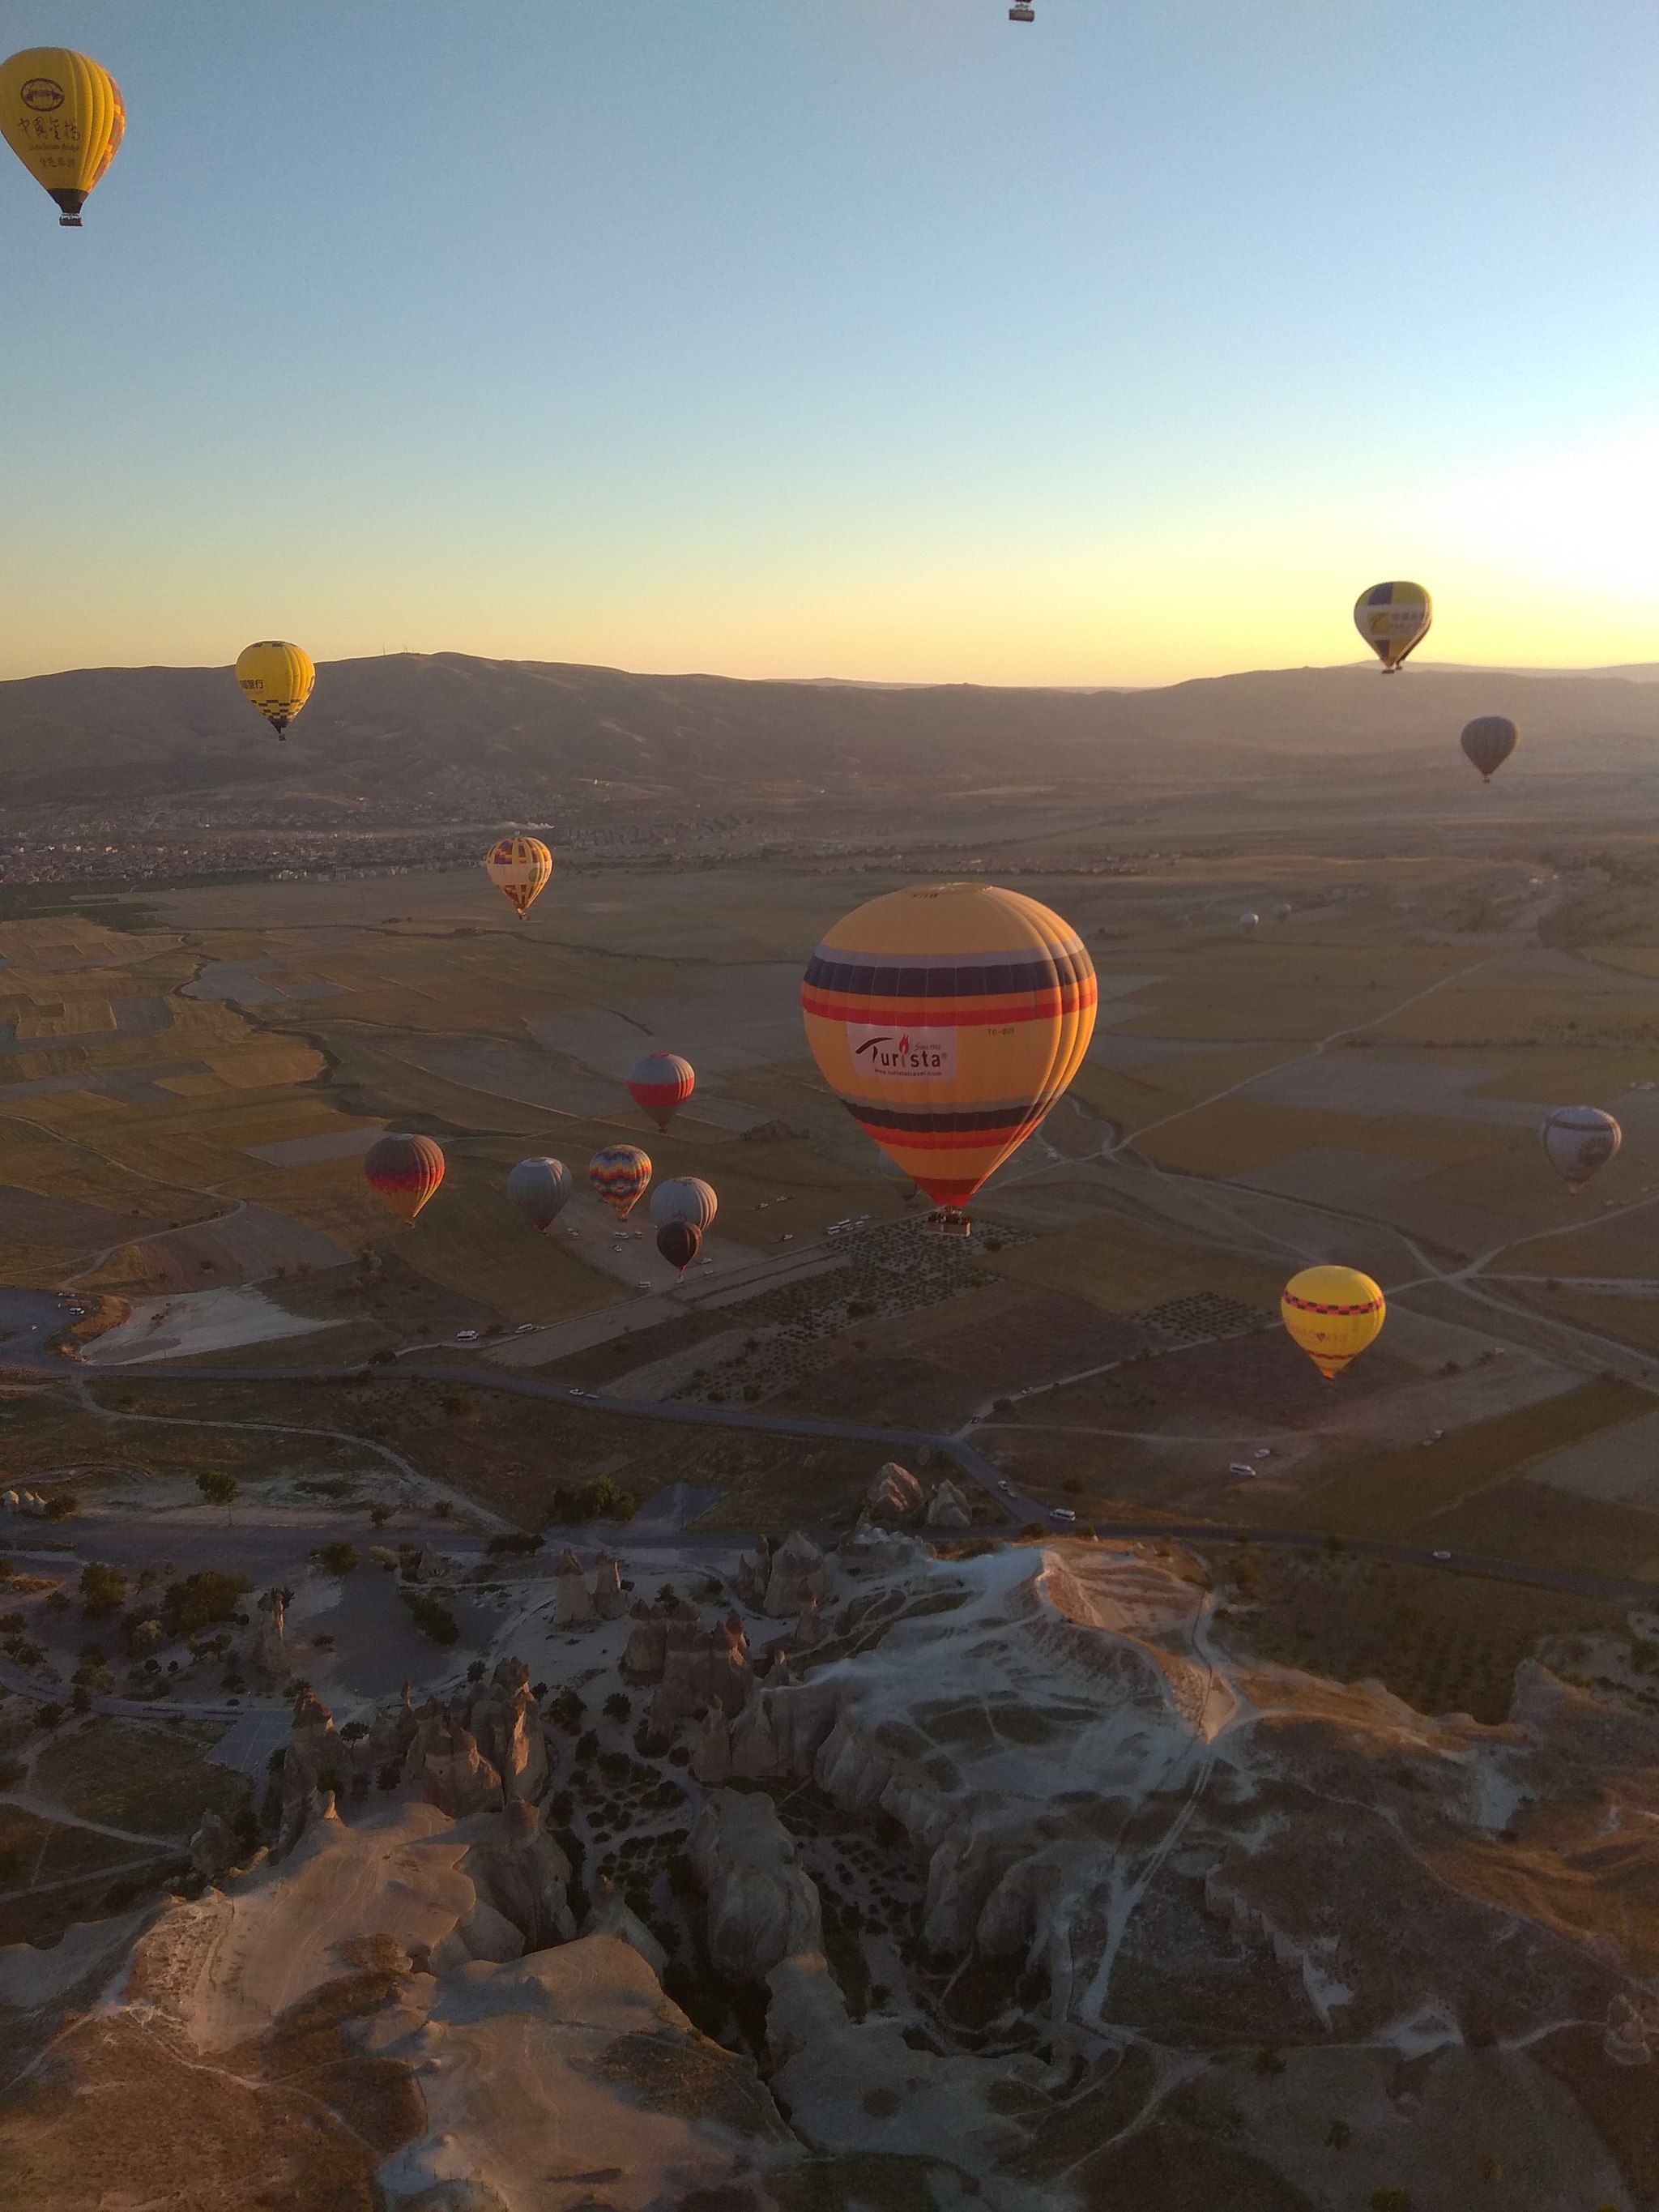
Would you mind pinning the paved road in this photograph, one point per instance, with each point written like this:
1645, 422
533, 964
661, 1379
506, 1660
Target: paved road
970, 1462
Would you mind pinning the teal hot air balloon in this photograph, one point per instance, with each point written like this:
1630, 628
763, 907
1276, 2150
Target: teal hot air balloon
1489, 740
541, 1189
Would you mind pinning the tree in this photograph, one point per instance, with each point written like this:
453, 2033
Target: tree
218, 1485
616, 1707
339, 1558
103, 1590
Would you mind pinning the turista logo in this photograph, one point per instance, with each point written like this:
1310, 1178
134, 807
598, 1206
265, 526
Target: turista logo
42, 93
918, 1055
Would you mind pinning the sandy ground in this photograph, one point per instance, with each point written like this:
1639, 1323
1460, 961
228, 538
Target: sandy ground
305, 1152
1621, 1467
743, 1015
195, 1321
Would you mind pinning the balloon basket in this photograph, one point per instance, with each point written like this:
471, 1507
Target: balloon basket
950, 1221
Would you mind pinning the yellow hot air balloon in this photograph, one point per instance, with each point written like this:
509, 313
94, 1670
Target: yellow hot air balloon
278, 678
520, 868
62, 115
1394, 620
949, 1017
1332, 1314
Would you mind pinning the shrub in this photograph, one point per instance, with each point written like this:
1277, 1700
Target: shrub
338, 1558
1033, 1528
217, 1485
60, 1506
1269, 2061
48, 1715
430, 1611
207, 1595
617, 1708
81, 1699
516, 1543
599, 1499
103, 1590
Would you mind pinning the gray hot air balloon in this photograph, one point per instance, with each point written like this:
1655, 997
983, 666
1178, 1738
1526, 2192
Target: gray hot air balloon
684, 1197
1579, 1139
541, 1189
1247, 921
1489, 740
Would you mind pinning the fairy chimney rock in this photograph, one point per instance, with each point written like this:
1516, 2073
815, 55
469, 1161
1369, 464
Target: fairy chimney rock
572, 1606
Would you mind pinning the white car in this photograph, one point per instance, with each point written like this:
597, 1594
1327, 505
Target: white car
1443, 1555
1243, 1469
466, 1336
526, 1328
588, 1397
1061, 1513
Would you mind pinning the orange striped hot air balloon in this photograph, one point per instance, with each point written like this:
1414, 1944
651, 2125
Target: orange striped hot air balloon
948, 1018
404, 1171
520, 868
660, 1084
619, 1173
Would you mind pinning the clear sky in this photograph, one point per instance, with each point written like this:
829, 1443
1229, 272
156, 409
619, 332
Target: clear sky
878, 338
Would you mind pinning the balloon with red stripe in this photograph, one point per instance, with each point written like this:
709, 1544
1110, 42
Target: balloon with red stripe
660, 1084
949, 1018
404, 1171
619, 1173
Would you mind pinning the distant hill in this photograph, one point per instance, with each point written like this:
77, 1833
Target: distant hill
426, 725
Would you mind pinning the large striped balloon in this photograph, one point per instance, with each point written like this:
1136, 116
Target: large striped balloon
660, 1084
619, 1173
404, 1171
949, 1017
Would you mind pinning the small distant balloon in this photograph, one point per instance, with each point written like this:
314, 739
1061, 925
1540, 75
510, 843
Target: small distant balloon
1489, 740
684, 1197
679, 1243
619, 1173
1247, 922
1394, 620
404, 1171
62, 114
278, 678
1332, 1313
520, 868
660, 1084
541, 1189
1579, 1139
1283, 911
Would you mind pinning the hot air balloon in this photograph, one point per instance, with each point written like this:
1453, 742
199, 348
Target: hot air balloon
1283, 911
278, 678
1489, 740
619, 1173
948, 1018
684, 1197
1393, 619
679, 1243
660, 1084
1247, 922
1577, 1140
520, 868
541, 1189
62, 114
404, 1171
1332, 1314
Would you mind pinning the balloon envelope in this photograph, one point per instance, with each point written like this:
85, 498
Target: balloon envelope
619, 1173
404, 1171
948, 1018
277, 677
660, 1084
1579, 1139
1332, 1314
520, 868
1489, 740
1247, 921
61, 112
679, 1243
541, 1189
684, 1197
1393, 619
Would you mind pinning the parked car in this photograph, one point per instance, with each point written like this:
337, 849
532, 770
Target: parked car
466, 1336
1443, 1555
1061, 1513
1243, 1469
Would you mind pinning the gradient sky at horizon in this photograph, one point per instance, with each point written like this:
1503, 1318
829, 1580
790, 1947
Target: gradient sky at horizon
870, 338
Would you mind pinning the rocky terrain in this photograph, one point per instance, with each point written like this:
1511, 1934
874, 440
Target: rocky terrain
920, 1870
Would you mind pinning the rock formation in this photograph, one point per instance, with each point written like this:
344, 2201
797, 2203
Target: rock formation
611, 1916
895, 1495
445, 1763
502, 1716
267, 1653
516, 1867
872, 1550
647, 1645
313, 1750
390, 1735
763, 1907
797, 1574
948, 1509
711, 1754
426, 1566
610, 1599
754, 1575
213, 1848
573, 1607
